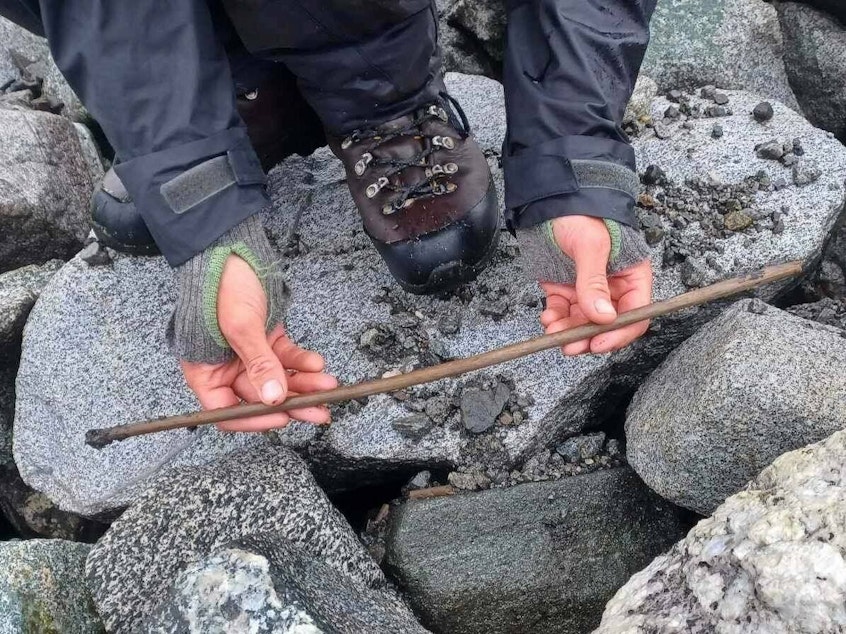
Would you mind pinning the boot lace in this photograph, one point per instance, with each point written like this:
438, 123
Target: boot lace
437, 177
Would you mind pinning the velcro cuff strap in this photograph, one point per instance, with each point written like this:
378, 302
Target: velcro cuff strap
246, 167
566, 165
531, 177
197, 184
604, 174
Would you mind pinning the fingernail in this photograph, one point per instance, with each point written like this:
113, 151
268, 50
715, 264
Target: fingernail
272, 391
604, 306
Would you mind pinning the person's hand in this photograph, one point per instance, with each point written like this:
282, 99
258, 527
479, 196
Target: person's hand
596, 296
268, 367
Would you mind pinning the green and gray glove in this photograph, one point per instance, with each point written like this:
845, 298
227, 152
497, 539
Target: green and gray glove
194, 333
544, 260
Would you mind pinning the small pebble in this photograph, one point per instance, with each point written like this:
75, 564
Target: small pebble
414, 427
805, 173
717, 131
763, 112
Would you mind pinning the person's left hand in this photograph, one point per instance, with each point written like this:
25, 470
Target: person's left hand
596, 296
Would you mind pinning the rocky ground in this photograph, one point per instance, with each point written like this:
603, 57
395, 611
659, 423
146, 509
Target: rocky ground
516, 499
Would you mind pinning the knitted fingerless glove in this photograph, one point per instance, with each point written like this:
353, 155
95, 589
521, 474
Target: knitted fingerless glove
543, 259
194, 334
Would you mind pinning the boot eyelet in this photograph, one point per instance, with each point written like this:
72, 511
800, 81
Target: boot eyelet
375, 188
450, 168
346, 143
449, 143
389, 209
251, 96
361, 165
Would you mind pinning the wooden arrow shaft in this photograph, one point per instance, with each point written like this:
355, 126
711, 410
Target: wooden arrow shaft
99, 438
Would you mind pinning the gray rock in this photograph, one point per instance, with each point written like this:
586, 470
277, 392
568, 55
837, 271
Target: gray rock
828, 311
771, 150
33, 514
480, 407
805, 173
42, 588
35, 50
752, 384
815, 57
265, 584
484, 20
18, 291
420, 481
696, 42
107, 322
460, 51
833, 7
770, 559
28, 511
538, 557
415, 426
265, 490
45, 186
581, 447
763, 112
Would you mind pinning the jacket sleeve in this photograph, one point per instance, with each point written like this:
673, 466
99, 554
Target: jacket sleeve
156, 78
570, 69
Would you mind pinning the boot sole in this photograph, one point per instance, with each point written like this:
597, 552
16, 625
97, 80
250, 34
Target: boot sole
105, 239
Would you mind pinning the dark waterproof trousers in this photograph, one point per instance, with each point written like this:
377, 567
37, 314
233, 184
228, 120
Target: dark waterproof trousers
155, 75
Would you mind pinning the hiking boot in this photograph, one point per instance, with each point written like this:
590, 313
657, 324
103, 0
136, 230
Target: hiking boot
115, 220
426, 196
279, 123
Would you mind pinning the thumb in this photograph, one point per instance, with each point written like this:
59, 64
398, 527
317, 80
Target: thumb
592, 292
264, 370
242, 314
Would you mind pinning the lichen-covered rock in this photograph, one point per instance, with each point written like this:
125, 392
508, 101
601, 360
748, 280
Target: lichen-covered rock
107, 322
771, 559
42, 588
640, 105
751, 385
735, 44
265, 584
538, 557
188, 513
46, 183
815, 57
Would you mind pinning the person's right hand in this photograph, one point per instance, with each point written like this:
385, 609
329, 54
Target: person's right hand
267, 368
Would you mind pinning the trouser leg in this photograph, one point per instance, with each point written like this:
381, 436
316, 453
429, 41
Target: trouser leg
359, 63
156, 78
25, 13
